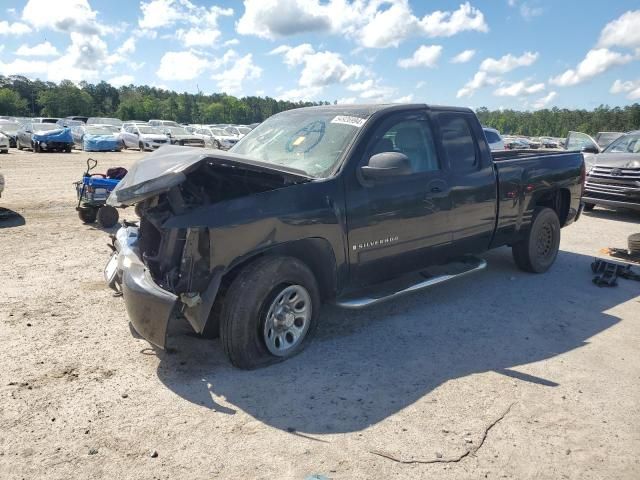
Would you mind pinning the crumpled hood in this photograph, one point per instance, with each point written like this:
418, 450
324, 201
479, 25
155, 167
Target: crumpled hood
57, 135
167, 167
618, 160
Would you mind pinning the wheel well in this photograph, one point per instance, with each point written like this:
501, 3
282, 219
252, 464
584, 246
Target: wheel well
559, 201
315, 253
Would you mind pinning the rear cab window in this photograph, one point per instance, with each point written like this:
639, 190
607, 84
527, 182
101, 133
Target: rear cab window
458, 142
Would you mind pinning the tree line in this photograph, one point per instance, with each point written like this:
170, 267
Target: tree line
20, 96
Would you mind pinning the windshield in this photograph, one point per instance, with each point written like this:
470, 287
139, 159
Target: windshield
605, 138
39, 127
99, 130
244, 130
629, 143
9, 127
309, 140
149, 130
177, 131
218, 132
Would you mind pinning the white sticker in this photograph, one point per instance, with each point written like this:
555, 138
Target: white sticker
348, 120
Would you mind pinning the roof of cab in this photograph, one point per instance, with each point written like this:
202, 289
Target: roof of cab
366, 110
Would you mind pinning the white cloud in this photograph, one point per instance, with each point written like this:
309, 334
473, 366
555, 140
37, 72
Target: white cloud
15, 28
229, 43
201, 23
421, 84
464, 56
347, 101
362, 86
405, 99
479, 80
231, 80
121, 80
622, 32
424, 56
528, 12
301, 94
293, 56
508, 63
23, 67
374, 24
44, 49
325, 68
319, 68
544, 101
181, 66
630, 87
62, 15
518, 89
595, 62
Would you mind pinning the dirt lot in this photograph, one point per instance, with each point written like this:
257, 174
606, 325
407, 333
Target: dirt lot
498, 375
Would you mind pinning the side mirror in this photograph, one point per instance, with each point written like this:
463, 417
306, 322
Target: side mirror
590, 149
387, 164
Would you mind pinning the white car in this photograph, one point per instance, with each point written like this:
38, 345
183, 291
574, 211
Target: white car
237, 131
142, 137
494, 139
1, 184
218, 138
163, 123
4, 143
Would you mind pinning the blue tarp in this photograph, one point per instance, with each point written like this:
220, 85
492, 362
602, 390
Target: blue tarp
62, 135
100, 143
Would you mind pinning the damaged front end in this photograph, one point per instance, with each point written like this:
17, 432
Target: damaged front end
165, 267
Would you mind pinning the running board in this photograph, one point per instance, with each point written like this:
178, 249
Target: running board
413, 283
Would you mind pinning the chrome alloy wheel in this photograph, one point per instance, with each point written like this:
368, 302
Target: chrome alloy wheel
288, 320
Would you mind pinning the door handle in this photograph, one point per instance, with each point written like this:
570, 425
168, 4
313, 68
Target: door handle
436, 186
436, 189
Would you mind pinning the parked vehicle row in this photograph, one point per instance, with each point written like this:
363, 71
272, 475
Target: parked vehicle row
112, 134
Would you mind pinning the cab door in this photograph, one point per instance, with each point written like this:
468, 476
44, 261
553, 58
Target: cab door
400, 224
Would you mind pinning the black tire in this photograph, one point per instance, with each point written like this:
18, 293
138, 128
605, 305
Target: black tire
539, 250
141, 146
19, 145
245, 305
216, 144
589, 206
634, 243
107, 216
67, 149
88, 214
36, 148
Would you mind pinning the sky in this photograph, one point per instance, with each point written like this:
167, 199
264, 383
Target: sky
520, 54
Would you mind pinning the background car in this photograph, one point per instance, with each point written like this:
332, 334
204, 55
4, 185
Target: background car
218, 137
44, 136
44, 120
4, 143
238, 131
10, 129
162, 123
96, 138
494, 139
179, 136
104, 121
143, 137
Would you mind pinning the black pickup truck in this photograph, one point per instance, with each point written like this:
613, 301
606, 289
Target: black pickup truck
345, 204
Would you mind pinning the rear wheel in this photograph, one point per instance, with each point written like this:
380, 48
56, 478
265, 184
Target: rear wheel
19, 145
107, 216
537, 252
589, 206
36, 148
67, 149
88, 214
216, 144
141, 146
269, 312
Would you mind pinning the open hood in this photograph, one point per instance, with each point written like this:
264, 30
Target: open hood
618, 160
168, 167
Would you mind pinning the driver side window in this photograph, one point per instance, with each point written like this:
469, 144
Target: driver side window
413, 138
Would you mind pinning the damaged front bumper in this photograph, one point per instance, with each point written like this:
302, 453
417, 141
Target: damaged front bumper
150, 307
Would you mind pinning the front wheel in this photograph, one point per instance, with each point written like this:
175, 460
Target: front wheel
537, 252
216, 144
269, 312
141, 146
107, 216
87, 214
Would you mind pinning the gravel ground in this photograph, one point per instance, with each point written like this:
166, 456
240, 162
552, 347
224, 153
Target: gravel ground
498, 375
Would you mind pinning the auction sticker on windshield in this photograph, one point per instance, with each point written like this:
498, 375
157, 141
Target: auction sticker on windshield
349, 120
